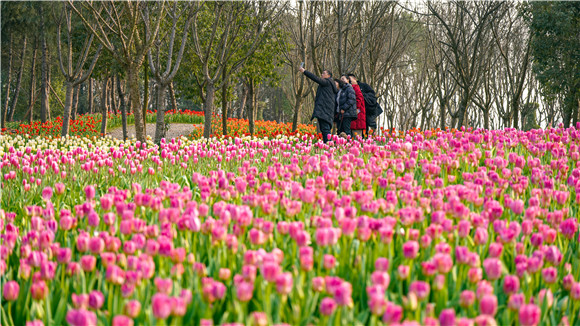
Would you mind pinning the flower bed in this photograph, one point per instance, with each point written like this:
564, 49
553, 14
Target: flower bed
439, 227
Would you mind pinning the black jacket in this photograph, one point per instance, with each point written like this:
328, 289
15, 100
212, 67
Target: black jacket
371, 105
325, 100
347, 101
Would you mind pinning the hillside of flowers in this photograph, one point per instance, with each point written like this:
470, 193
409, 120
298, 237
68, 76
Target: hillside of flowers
456, 227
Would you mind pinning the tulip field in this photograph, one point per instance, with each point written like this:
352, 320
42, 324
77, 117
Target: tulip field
454, 227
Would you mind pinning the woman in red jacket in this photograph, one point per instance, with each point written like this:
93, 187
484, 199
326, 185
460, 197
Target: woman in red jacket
359, 125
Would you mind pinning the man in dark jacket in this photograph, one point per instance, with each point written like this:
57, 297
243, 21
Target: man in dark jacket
373, 109
324, 102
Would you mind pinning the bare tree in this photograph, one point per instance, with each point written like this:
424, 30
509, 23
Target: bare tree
44, 72
8, 81
32, 94
512, 39
123, 107
117, 27
164, 74
228, 41
74, 75
466, 27
18, 81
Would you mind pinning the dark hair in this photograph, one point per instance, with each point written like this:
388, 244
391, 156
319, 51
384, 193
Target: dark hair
340, 82
352, 75
345, 76
328, 72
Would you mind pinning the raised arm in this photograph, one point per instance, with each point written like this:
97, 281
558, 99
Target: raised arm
316, 79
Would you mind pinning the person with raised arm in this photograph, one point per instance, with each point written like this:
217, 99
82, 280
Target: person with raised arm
324, 102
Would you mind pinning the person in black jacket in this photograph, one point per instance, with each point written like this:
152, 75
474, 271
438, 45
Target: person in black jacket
345, 107
373, 109
324, 102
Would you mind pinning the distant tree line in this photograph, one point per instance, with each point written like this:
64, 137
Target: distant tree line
433, 64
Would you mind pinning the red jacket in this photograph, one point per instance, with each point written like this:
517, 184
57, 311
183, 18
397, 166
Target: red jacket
361, 122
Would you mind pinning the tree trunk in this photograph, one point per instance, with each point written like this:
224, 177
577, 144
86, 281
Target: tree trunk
569, 108
123, 107
32, 83
462, 111
160, 125
208, 108
112, 97
297, 109
516, 111
18, 81
252, 106
486, 119
442, 113
104, 108
8, 81
145, 98
172, 96
90, 97
133, 83
225, 106
44, 91
243, 99
75, 104
67, 109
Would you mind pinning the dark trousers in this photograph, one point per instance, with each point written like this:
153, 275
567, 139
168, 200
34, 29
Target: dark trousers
344, 126
371, 124
325, 128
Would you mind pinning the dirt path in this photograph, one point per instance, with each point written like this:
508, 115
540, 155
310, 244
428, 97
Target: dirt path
175, 130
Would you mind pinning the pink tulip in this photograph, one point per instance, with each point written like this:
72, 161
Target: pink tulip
488, 305
90, 192
96, 300
318, 284
270, 271
466, 298
164, 285
121, 320
410, 249
550, 275
329, 262
161, 306
393, 314
420, 289
511, 284
529, 315
447, 317
11, 290
39, 290
403, 272
132, 308
515, 301
382, 264
327, 306
244, 291
81, 317
284, 283
224, 274
88, 263
96, 245
80, 301
545, 296
493, 268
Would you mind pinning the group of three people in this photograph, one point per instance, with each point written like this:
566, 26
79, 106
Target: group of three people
350, 104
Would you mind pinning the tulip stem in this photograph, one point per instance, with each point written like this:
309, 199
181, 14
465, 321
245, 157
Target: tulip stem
10, 313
